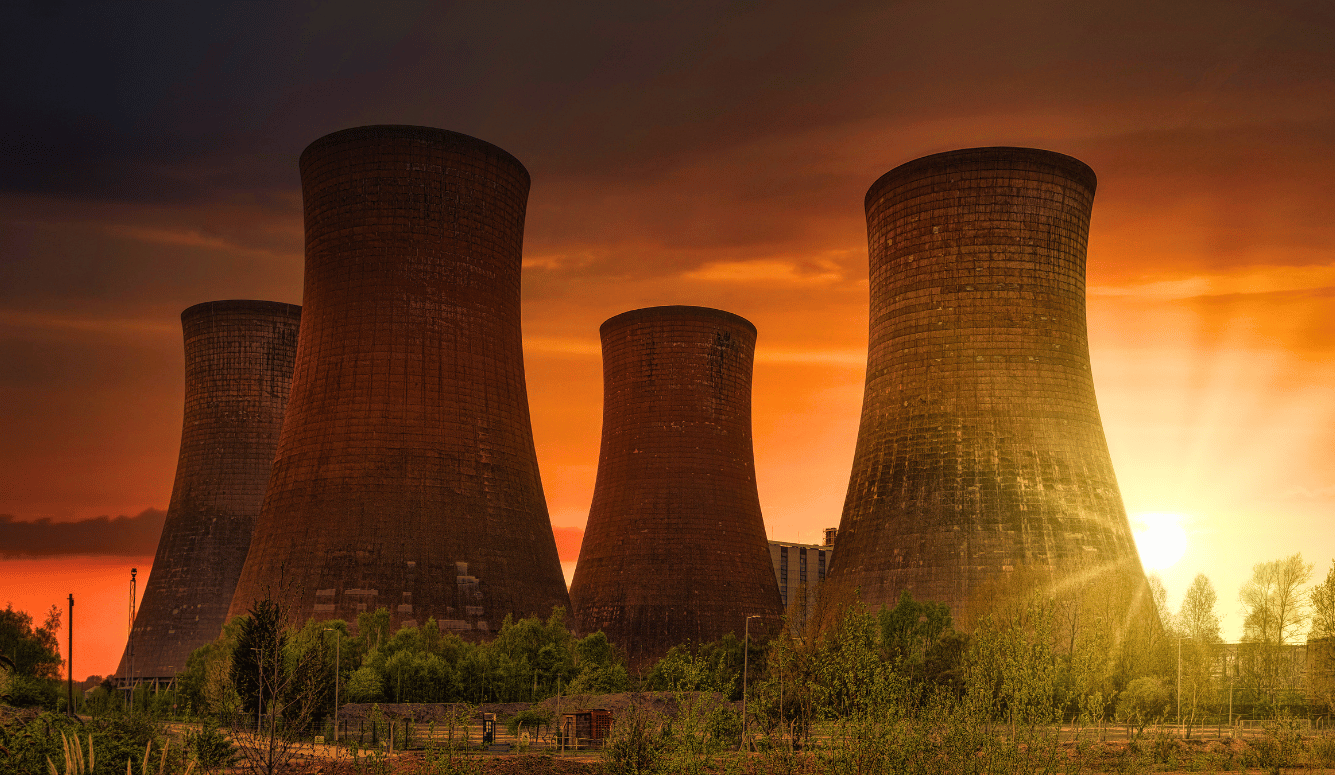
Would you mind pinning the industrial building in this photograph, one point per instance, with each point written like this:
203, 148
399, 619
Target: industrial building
405, 476
675, 548
800, 570
980, 449
238, 369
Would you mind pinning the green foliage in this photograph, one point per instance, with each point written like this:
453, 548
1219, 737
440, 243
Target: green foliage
636, 744
530, 718
33, 651
211, 748
206, 687
364, 685
26, 691
31, 741
710, 667
910, 628
1013, 669
1145, 701
259, 637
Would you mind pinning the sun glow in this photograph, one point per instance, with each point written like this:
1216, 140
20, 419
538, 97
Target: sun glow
1160, 539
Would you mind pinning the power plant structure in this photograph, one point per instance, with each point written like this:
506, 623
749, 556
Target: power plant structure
406, 475
238, 368
675, 547
980, 450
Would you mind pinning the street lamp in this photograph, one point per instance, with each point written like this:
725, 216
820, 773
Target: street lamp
338, 644
746, 657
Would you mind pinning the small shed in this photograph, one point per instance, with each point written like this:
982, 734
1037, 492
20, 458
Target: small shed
586, 728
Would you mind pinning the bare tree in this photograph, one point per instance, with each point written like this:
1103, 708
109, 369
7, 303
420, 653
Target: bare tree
1275, 603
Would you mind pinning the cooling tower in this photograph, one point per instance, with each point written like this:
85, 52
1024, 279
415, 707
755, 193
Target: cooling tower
405, 475
675, 546
238, 367
980, 450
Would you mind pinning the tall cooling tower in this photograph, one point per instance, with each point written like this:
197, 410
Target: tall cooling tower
675, 546
238, 368
980, 450
406, 475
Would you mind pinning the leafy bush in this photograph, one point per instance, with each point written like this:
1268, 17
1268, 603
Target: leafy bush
531, 718
1145, 701
636, 744
211, 748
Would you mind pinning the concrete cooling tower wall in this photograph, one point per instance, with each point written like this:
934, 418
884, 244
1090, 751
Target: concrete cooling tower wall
980, 450
238, 368
675, 546
406, 475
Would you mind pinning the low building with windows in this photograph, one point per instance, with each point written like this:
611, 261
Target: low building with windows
800, 570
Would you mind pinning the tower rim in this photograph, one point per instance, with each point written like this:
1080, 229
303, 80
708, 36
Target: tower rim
426, 134
1072, 167
241, 305
673, 312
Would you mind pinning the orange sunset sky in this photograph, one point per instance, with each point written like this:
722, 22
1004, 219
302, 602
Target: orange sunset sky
712, 154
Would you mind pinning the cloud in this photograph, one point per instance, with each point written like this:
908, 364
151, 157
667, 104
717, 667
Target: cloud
121, 536
568, 541
764, 272
1308, 493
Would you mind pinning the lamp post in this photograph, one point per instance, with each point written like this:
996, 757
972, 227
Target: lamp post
746, 657
1179, 684
69, 662
338, 644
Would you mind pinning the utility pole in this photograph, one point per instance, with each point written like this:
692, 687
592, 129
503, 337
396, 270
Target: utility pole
1179, 683
129, 642
69, 661
746, 657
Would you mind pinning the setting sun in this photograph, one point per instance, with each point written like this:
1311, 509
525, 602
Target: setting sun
1160, 539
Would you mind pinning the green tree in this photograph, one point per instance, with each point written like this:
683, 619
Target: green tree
260, 638
32, 659
1198, 624
34, 651
1323, 607
1321, 640
1145, 701
710, 667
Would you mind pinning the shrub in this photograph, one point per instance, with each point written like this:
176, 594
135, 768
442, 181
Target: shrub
635, 745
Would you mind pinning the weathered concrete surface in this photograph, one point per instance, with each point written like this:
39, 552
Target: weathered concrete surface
980, 449
406, 475
238, 368
675, 546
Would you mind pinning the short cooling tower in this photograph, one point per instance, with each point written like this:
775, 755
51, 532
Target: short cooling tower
980, 449
406, 475
238, 368
675, 546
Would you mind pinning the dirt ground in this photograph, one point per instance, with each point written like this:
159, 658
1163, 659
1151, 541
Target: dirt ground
415, 764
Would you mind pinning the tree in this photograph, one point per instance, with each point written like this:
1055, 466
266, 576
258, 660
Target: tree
1275, 604
1145, 701
32, 660
259, 641
1321, 640
1198, 625
35, 652
1323, 607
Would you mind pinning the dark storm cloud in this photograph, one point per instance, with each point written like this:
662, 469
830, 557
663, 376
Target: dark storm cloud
174, 102
121, 536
